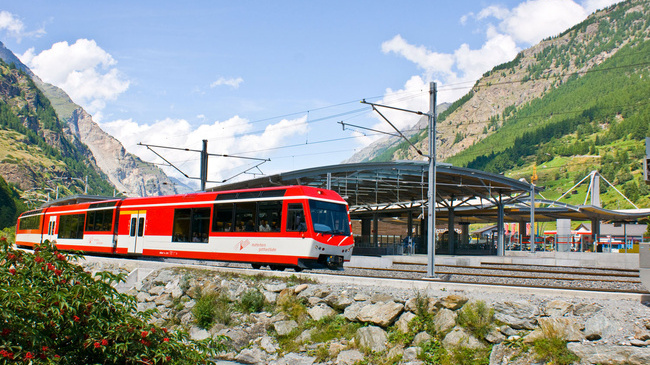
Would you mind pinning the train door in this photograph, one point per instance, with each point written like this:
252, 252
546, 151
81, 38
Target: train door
136, 231
50, 234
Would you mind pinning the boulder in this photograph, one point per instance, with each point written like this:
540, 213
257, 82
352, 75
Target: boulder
453, 302
197, 333
403, 321
564, 328
610, 354
349, 357
372, 337
495, 336
382, 314
557, 308
598, 326
518, 315
321, 310
300, 287
283, 328
275, 287
420, 338
253, 355
460, 337
296, 359
338, 301
586, 309
411, 353
268, 344
444, 320
352, 311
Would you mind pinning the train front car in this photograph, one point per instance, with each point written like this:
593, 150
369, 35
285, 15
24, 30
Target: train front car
287, 227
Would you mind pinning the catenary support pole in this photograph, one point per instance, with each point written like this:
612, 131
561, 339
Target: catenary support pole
204, 164
431, 222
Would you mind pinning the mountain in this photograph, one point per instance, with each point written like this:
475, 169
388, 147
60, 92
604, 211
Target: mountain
571, 103
37, 154
128, 173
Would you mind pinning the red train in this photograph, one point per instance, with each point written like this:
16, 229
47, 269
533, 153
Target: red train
290, 226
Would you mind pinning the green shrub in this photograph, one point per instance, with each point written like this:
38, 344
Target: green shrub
53, 312
252, 301
210, 308
432, 352
552, 349
477, 317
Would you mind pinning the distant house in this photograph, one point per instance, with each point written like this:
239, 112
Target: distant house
617, 231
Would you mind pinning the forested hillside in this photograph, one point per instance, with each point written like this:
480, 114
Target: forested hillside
574, 103
35, 156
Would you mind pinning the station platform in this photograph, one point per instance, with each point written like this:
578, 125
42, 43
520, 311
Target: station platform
628, 261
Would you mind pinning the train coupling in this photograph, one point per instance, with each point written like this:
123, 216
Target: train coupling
334, 262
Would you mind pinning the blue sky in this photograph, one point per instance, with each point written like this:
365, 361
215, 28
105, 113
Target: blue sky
268, 79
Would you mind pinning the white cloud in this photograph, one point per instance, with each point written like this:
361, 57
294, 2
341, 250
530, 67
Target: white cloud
232, 82
534, 20
15, 28
593, 5
235, 136
83, 70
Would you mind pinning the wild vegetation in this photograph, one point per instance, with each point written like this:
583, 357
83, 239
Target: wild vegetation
54, 312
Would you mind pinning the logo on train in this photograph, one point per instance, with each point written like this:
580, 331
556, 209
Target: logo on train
242, 244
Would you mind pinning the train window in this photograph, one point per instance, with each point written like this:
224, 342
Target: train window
30, 222
140, 227
191, 225
329, 217
296, 218
223, 217
99, 221
272, 193
227, 196
72, 226
248, 195
132, 232
245, 217
270, 216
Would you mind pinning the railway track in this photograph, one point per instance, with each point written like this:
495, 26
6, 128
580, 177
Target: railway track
516, 275
511, 275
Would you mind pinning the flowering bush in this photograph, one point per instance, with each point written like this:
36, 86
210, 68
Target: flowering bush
53, 312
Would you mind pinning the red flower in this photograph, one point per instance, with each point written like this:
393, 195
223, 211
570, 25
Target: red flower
12, 271
5, 332
104, 342
57, 356
45, 348
57, 272
166, 339
76, 319
28, 356
144, 334
39, 259
97, 345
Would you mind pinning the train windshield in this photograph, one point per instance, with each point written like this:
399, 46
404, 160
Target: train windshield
329, 218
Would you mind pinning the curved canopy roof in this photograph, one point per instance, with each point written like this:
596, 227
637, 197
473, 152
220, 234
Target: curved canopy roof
392, 187
377, 186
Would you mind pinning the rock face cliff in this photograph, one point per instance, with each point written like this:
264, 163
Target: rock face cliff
129, 174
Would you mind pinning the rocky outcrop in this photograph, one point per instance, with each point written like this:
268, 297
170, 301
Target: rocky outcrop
596, 332
127, 172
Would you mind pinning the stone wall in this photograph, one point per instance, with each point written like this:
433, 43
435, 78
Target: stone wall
388, 321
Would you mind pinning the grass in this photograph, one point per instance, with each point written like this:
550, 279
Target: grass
477, 317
